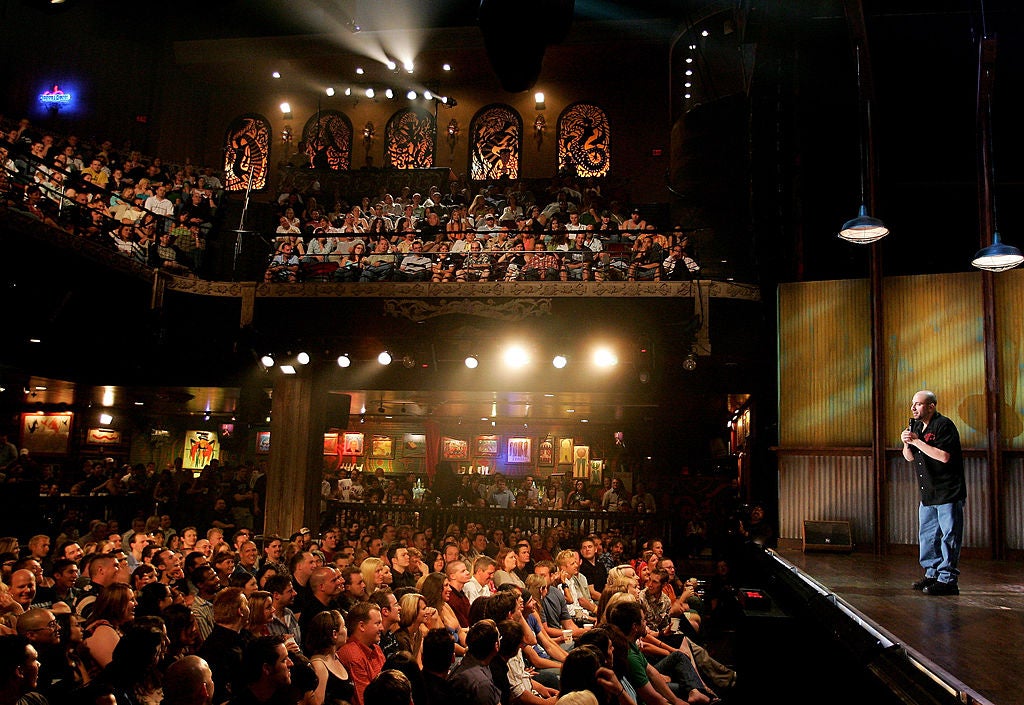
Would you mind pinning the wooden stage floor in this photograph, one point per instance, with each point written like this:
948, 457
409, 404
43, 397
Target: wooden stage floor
977, 638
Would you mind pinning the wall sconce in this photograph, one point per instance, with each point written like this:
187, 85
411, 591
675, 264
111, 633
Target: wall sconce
286, 111
453, 134
369, 134
539, 125
538, 99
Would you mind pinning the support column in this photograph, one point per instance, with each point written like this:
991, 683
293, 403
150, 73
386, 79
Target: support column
296, 453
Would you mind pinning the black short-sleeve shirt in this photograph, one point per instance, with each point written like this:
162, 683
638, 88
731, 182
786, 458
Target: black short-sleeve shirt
939, 483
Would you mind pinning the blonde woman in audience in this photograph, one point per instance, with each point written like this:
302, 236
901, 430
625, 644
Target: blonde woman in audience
412, 624
374, 574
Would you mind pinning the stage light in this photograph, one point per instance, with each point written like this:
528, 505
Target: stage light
206, 416
408, 66
604, 357
369, 93
384, 358
516, 356
348, 91
472, 362
389, 94
276, 74
391, 65
288, 369
267, 361
446, 67
559, 361
538, 101
286, 108
344, 361
411, 95
106, 419
108, 396
359, 70
303, 358
362, 418
427, 95
268, 419
329, 92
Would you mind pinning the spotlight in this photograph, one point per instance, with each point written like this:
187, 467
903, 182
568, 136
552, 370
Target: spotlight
268, 419
384, 358
604, 357
362, 418
389, 94
267, 360
516, 356
206, 416
303, 358
391, 65
329, 91
288, 369
427, 95
276, 74
408, 66
344, 361
369, 93
106, 419
446, 67
286, 110
538, 99
359, 70
411, 95
559, 361
348, 91
472, 362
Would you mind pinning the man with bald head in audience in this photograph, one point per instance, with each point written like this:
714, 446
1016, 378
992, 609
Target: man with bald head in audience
23, 588
40, 627
188, 681
325, 585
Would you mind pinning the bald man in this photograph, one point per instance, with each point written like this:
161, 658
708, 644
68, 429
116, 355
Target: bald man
23, 588
188, 682
40, 627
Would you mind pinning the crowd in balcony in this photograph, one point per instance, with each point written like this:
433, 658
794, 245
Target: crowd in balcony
369, 613
501, 232
163, 217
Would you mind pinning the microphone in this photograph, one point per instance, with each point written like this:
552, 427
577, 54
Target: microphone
910, 424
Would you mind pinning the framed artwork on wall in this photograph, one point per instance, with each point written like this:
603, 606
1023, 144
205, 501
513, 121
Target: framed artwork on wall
103, 437
596, 472
454, 449
200, 448
351, 443
414, 445
565, 451
46, 432
520, 450
262, 442
487, 445
382, 447
546, 453
330, 444
581, 461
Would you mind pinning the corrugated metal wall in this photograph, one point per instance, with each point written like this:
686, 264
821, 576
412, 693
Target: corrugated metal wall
824, 364
1013, 502
904, 499
826, 488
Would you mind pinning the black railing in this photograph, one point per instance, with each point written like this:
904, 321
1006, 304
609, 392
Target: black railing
664, 525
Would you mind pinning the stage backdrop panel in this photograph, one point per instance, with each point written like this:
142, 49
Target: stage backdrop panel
1009, 292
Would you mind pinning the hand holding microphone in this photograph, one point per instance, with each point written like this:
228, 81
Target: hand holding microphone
908, 436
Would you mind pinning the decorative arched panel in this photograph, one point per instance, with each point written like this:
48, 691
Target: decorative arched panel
327, 137
584, 140
247, 153
496, 138
409, 140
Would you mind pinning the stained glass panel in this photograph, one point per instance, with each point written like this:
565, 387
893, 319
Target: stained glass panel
496, 139
247, 153
409, 140
328, 141
584, 140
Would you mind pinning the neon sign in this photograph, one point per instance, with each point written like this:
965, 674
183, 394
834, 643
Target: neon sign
55, 97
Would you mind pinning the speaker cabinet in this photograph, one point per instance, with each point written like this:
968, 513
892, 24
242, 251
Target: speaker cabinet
337, 411
833, 536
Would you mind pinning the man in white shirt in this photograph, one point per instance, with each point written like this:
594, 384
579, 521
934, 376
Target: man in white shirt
159, 204
478, 585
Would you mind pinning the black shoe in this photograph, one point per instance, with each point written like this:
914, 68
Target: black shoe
940, 588
923, 583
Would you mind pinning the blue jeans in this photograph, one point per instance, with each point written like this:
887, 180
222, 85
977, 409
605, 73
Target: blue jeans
678, 667
941, 534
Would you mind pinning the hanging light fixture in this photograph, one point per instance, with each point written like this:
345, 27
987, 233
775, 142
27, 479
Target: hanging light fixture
997, 257
863, 229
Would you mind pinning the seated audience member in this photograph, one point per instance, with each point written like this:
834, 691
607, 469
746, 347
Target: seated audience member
415, 265
522, 688
134, 669
224, 647
264, 672
19, 671
324, 636
438, 657
471, 682
113, 609
361, 654
391, 687
476, 266
284, 266
188, 681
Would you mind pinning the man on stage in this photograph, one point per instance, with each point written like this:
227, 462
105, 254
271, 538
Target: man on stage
932, 443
